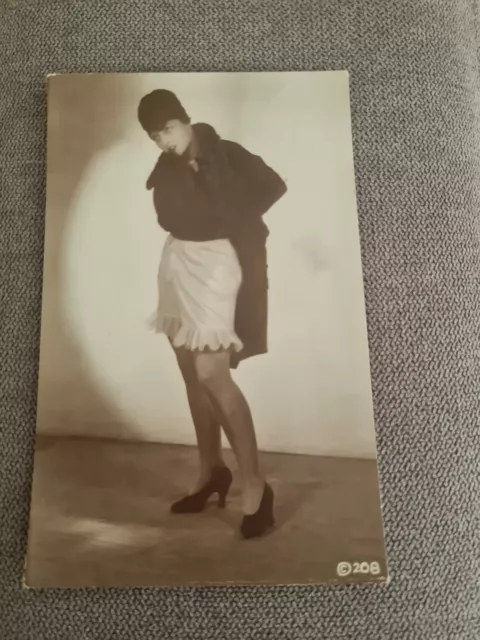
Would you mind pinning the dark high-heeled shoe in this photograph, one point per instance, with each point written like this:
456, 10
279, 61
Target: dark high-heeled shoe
257, 523
219, 482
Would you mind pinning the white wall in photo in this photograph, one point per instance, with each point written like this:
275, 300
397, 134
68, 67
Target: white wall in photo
102, 372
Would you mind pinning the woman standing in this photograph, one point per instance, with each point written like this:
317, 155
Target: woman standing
210, 195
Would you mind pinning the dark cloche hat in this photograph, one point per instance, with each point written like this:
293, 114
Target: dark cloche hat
158, 107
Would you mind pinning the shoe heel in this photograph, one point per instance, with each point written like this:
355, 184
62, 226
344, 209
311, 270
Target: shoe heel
220, 481
222, 494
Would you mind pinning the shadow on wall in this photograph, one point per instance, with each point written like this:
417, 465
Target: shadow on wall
86, 115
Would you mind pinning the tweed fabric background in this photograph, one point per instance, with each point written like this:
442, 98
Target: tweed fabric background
416, 116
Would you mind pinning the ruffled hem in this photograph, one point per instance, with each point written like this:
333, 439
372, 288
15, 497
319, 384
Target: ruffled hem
195, 339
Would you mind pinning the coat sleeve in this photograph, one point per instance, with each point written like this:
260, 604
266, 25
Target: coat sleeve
258, 186
157, 184
162, 209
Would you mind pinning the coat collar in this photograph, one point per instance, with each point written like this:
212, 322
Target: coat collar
207, 142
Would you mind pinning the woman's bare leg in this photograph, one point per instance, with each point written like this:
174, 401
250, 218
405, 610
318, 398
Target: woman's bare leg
207, 427
213, 372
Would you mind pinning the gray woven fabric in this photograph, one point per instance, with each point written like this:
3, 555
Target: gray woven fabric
416, 116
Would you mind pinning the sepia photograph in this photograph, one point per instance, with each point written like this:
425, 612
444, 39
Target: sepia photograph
205, 410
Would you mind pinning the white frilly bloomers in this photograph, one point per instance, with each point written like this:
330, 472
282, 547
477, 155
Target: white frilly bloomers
198, 284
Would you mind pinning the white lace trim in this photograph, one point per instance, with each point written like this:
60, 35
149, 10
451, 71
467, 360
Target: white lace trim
194, 338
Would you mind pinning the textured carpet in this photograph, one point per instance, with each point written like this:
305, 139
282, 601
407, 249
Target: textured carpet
416, 116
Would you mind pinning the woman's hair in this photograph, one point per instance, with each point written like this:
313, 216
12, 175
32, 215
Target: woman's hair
158, 107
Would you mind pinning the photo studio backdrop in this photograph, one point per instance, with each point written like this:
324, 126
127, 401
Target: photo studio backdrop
103, 373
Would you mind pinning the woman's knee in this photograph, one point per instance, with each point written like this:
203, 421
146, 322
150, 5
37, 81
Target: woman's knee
212, 371
187, 368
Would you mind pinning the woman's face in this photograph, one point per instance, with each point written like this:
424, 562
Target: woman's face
174, 137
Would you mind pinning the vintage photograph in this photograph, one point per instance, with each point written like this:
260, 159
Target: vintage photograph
205, 411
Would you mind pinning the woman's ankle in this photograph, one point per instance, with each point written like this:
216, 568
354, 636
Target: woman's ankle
207, 470
252, 493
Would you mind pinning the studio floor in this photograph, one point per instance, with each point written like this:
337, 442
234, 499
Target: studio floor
100, 517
